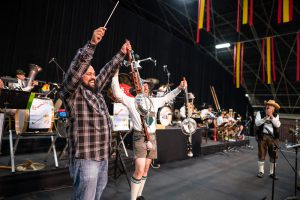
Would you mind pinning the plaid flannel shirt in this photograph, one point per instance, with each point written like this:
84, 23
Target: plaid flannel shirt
90, 125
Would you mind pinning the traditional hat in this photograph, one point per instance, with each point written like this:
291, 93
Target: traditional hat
191, 96
20, 72
272, 103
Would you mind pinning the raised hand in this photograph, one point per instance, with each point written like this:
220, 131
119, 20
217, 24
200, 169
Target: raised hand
126, 47
97, 35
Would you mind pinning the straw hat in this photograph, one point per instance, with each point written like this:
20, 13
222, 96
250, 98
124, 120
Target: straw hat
272, 103
191, 96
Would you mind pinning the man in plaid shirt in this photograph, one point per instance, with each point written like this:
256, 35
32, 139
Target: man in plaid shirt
90, 125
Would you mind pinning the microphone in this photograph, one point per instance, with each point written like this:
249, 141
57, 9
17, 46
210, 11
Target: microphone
52, 59
136, 57
153, 60
165, 67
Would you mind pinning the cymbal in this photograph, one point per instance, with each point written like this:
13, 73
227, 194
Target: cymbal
9, 79
163, 88
151, 80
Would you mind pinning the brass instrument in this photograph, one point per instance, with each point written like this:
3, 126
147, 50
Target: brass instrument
34, 70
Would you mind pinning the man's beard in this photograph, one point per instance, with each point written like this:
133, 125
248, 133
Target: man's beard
93, 89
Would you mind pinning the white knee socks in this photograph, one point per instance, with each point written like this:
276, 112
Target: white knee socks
135, 186
261, 167
272, 167
143, 180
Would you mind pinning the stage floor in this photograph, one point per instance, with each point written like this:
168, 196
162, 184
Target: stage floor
225, 175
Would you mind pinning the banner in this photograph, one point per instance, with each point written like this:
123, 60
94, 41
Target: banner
245, 12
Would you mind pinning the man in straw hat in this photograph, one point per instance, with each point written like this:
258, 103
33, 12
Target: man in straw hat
268, 136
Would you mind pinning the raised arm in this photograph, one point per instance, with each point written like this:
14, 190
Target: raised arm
110, 68
81, 63
116, 90
161, 101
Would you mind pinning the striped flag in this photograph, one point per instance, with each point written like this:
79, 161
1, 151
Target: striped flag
285, 11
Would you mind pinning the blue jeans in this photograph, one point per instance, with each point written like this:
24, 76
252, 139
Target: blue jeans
89, 178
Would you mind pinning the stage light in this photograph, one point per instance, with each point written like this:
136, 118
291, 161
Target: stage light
224, 45
246, 95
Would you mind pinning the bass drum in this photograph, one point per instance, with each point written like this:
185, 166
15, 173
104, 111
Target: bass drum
38, 119
165, 115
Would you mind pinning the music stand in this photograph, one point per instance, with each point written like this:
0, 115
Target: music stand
121, 124
13, 99
296, 146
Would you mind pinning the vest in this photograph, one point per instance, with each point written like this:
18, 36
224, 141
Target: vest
259, 131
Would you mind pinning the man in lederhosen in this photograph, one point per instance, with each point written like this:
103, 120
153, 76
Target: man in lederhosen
267, 136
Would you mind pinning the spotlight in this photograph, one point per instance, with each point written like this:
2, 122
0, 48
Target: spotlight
224, 45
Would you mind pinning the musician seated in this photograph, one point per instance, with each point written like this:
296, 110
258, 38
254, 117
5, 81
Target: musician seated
231, 127
22, 84
221, 120
207, 113
191, 107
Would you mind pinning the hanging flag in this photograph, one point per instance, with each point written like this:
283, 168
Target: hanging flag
198, 30
234, 63
242, 63
268, 60
201, 15
286, 11
207, 15
238, 16
245, 12
251, 13
273, 59
279, 11
200, 22
291, 10
263, 61
298, 58
238, 57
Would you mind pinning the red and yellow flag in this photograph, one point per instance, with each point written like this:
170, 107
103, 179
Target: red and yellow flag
285, 11
200, 20
268, 60
238, 64
247, 13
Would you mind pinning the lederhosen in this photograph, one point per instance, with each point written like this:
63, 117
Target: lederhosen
266, 141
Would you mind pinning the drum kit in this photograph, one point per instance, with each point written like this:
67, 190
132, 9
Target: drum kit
165, 114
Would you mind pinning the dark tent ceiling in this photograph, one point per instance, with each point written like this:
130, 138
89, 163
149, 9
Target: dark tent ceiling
179, 17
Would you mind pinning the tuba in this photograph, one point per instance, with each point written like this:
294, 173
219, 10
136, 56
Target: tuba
34, 70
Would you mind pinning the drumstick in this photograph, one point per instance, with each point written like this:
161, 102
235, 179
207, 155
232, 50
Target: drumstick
111, 14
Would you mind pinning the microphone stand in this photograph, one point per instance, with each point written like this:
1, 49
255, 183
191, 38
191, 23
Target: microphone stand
58, 66
274, 174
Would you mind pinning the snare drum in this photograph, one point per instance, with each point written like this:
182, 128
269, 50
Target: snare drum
39, 118
165, 115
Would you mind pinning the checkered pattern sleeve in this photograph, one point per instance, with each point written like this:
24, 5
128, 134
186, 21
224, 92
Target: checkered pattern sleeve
77, 69
109, 70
